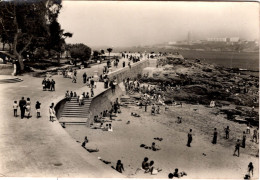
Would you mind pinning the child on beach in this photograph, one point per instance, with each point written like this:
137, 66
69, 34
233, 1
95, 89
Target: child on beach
38, 107
15, 107
152, 169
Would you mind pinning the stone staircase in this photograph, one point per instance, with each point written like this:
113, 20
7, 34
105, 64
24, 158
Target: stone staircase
73, 110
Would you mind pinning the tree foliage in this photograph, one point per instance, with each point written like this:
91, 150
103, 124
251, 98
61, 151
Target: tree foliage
109, 50
80, 51
30, 24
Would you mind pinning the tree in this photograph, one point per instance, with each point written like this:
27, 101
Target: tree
102, 51
109, 51
96, 54
80, 51
25, 22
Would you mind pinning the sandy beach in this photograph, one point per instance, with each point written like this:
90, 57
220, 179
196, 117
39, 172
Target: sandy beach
201, 160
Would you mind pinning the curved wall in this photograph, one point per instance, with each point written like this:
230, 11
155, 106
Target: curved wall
103, 102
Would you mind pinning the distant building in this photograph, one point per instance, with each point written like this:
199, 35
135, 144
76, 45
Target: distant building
172, 43
217, 39
234, 39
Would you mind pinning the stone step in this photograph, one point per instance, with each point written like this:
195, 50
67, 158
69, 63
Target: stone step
77, 106
73, 116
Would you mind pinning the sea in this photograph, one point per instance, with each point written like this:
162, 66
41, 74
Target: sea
242, 60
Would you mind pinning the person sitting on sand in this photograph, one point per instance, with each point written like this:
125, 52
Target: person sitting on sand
179, 120
176, 174
110, 127
155, 147
85, 141
152, 169
145, 166
134, 114
119, 166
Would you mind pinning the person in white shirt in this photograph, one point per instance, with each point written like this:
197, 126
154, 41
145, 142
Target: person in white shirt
15, 107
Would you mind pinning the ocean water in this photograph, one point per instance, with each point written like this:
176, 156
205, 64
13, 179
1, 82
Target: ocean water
244, 60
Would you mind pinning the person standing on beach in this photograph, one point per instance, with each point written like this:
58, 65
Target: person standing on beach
227, 130
244, 140
255, 135
22, 104
189, 138
119, 166
250, 168
237, 147
215, 135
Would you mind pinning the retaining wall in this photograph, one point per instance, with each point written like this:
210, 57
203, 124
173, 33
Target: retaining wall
126, 72
103, 102
6, 69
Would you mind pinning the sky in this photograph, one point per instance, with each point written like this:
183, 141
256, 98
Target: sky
135, 23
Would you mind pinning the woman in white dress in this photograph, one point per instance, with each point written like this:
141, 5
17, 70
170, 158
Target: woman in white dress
52, 113
28, 108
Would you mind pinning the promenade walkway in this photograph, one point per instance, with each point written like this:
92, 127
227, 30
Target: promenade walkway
40, 148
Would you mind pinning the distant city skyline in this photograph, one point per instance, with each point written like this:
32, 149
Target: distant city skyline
133, 23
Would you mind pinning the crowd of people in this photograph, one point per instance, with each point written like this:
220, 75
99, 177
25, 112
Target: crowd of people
25, 108
151, 95
48, 85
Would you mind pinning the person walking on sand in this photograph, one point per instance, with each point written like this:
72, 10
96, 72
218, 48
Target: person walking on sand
250, 168
244, 140
227, 130
189, 138
237, 147
215, 135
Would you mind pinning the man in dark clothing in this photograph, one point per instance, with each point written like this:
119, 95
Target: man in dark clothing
52, 85
227, 130
48, 84
22, 104
215, 135
189, 138
84, 78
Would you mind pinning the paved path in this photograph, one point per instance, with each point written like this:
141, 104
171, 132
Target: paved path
38, 147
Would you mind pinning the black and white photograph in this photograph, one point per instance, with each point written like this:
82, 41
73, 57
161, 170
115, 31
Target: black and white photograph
129, 89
